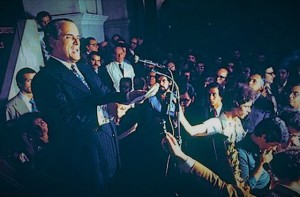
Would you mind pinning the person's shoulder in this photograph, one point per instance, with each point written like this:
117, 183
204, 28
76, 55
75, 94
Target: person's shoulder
241, 151
13, 101
127, 62
110, 63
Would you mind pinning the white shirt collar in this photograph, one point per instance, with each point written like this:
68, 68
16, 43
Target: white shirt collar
218, 110
67, 64
25, 99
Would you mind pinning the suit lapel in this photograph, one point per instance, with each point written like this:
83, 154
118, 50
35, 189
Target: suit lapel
70, 78
20, 106
89, 75
66, 75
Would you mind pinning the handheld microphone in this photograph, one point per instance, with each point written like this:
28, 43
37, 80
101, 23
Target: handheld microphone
267, 167
148, 62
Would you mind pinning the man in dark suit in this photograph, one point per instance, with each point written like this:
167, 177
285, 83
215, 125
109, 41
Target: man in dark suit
95, 63
83, 153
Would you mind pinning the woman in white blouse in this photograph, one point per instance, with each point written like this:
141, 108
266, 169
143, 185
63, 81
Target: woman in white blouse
237, 105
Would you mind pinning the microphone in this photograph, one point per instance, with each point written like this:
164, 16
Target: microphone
267, 167
148, 62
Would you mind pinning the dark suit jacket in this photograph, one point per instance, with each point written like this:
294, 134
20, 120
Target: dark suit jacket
84, 156
262, 108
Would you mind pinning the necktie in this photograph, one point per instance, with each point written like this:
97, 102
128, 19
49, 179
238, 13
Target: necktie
215, 112
79, 76
121, 69
33, 105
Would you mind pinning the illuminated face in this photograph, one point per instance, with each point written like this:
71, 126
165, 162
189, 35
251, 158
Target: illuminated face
191, 58
151, 80
119, 54
26, 88
133, 43
214, 98
185, 100
171, 66
295, 97
221, 76
256, 83
230, 67
44, 21
268, 146
283, 75
164, 83
294, 139
93, 46
66, 47
269, 75
244, 109
43, 128
200, 67
95, 61
187, 76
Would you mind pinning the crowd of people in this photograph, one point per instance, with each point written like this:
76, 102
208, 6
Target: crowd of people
82, 125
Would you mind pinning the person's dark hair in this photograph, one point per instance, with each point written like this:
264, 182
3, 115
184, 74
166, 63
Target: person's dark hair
20, 75
41, 15
113, 41
28, 118
26, 121
225, 68
215, 85
286, 165
52, 31
125, 80
291, 119
88, 40
238, 96
93, 53
262, 69
187, 89
274, 130
118, 45
139, 83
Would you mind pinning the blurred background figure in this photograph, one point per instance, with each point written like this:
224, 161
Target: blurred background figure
23, 102
43, 18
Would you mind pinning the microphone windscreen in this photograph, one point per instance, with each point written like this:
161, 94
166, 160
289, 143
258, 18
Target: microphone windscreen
136, 58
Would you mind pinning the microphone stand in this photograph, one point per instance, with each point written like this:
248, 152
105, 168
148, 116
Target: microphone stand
177, 97
173, 94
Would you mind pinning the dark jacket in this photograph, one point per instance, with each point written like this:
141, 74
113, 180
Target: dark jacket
84, 156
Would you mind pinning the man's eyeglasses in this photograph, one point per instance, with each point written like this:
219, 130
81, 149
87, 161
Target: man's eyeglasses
184, 100
133, 42
94, 45
295, 94
294, 136
271, 73
220, 76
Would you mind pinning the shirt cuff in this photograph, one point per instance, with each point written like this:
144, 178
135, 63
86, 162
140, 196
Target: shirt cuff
187, 165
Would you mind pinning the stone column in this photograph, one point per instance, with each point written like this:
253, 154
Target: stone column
86, 14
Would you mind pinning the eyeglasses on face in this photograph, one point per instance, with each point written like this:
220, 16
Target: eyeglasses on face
94, 44
220, 76
295, 94
270, 73
185, 100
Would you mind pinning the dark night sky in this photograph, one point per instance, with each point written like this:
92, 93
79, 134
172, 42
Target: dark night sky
218, 25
